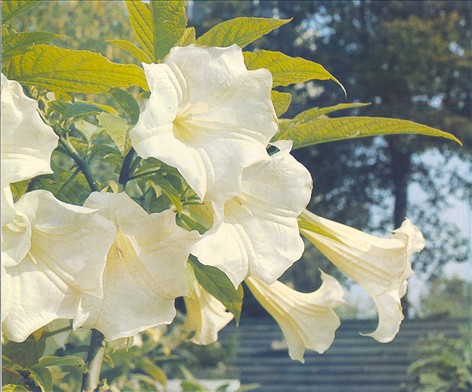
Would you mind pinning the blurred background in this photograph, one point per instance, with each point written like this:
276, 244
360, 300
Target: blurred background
409, 60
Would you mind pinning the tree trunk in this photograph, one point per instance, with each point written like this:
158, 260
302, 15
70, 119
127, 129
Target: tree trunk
400, 166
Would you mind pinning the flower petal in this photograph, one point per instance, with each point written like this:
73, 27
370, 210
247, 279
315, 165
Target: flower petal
208, 116
380, 265
27, 142
307, 320
259, 235
145, 269
58, 251
206, 316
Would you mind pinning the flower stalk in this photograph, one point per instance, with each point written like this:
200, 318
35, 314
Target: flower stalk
91, 377
81, 163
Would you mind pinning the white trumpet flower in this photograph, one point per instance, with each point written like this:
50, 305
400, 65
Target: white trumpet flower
206, 316
259, 234
48, 262
27, 142
307, 320
380, 265
145, 269
207, 116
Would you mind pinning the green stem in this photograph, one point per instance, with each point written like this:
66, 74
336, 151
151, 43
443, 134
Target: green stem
149, 173
91, 377
126, 168
81, 162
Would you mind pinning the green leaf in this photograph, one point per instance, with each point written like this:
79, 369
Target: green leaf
153, 370
173, 194
26, 353
68, 360
12, 8
315, 113
19, 43
287, 70
76, 109
188, 38
219, 286
132, 49
240, 31
64, 70
157, 26
281, 102
324, 129
42, 378
117, 128
14, 388
128, 103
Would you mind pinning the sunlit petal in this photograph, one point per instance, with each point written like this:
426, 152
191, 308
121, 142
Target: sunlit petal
206, 316
56, 252
145, 269
259, 235
208, 116
307, 320
380, 265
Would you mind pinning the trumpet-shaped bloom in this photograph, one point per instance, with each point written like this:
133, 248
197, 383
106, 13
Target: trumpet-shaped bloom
207, 116
145, 269
27, 142
380, 265
52, 253
307, 320
206, 316
259, 234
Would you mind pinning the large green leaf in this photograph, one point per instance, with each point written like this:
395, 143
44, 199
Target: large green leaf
64, 70
325, 129
42, 378
68, 360
19, 43
76, 109
240, 31
315, 113
128, 103
219, 286
12, 8
281, 102
157, 26
117, 128
132, 49
287, 70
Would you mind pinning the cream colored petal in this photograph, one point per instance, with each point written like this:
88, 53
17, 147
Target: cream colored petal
27, 142
70, 241
16, 240
7, 208
161, 245
36, 296
131, 303
380, 265
221, 117
307, 320
206, 316
260, 235
145, 269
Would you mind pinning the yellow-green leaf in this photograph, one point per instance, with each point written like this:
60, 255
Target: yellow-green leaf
219, 286
14, 388
80, 71
325, 129
281, 102
188, 38
12, 8
157, 26
41, 377
287, 70
240, 31
153, 370
117, 128
18, 43
315, 113
132, 49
